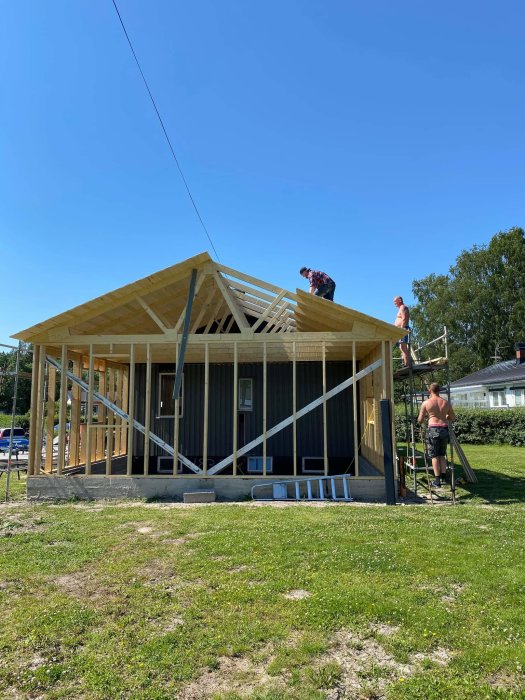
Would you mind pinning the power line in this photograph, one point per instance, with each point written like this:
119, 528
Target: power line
165, 132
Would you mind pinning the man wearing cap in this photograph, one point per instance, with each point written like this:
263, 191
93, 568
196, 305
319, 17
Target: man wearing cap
320, 284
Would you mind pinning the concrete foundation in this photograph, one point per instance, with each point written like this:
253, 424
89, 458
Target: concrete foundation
171, 488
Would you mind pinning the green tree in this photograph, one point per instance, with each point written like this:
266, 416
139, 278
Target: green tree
481, 302
7, 365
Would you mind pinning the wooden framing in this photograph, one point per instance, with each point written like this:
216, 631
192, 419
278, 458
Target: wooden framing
139, 324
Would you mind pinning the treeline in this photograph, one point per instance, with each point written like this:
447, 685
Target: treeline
481, 301
7, 383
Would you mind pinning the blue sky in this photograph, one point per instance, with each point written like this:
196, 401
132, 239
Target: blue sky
373, 141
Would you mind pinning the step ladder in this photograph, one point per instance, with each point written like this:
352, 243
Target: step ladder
319, 488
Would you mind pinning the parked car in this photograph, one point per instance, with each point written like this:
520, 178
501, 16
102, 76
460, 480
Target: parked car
20, 442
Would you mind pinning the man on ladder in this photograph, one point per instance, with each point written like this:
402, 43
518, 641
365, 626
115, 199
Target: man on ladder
440, 413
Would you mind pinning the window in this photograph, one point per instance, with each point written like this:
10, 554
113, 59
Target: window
519, 397
255, 464
498, 398
166, 407
245, 394
313, 465
165, 465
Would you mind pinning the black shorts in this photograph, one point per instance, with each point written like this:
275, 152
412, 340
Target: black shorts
437, 441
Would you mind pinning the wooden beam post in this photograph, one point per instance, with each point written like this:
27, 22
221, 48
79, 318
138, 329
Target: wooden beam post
33, 433
325, 428
235, 406
147, 417
74, 434
89, 410
206, 406
265, 392
355, 412
110, 420
131, 409
50, 418
102, 413
40, 407
63, 413
176, 424
124, 406
294, 407
118, 419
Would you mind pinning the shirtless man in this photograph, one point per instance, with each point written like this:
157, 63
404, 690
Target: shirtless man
402, 321
440, 413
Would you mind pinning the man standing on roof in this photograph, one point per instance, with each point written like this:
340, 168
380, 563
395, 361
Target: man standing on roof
440, 413
402, 321
320, 284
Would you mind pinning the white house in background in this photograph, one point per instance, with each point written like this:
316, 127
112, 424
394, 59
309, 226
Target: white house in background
499, 386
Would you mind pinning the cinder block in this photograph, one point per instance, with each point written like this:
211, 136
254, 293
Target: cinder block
199, 497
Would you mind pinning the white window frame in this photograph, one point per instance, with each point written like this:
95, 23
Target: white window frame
240, 407
521, 393
312, 471
165, 465
181, 401
254, 469
501, 396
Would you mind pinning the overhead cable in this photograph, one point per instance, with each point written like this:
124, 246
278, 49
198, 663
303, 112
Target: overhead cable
165, 132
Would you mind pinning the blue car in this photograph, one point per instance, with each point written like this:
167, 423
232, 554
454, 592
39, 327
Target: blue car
20, 442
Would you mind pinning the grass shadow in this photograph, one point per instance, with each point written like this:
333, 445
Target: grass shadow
494, 487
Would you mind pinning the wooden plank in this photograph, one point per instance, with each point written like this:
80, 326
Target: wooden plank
89, 410
238, 315
176, 426
277, 319
111, 420
40, 407
220, 303
235, 406
131, 410
101, 416
125, 405
50, 418
74, 434
198, 284
254, 281
294, 407
160, 323
355, 412
206, 407
63, 413
325, 430
302, 412
265, 396
118, 420
33, 432
147, 409
204, 308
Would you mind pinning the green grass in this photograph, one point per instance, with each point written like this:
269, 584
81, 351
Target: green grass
139, 600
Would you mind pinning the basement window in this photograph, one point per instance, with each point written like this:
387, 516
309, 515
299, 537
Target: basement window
313, 465
255, 465
245, 394
165, 465
166, 407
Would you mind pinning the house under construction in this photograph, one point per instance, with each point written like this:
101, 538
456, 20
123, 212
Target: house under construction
243, 381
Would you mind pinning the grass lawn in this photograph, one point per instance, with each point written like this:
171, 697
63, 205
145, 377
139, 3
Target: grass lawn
154, 601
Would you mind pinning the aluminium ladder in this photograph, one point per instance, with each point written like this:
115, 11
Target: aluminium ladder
320, 488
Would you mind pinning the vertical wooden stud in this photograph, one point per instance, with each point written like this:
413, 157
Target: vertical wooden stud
176, 426
102, 412
325, 427
131, 409
89, 410
118, 420
110, 420
355, 411
206, 407
50, 418
62, 428
74, 430
235, 406
33, 432
294, 407
147, 418
125, 408
40, 407
265, 399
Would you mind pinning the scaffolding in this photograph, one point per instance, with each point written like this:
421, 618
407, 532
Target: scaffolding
416, 378
13, 449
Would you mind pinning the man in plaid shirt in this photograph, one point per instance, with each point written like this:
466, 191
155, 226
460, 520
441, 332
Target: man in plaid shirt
320, 284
